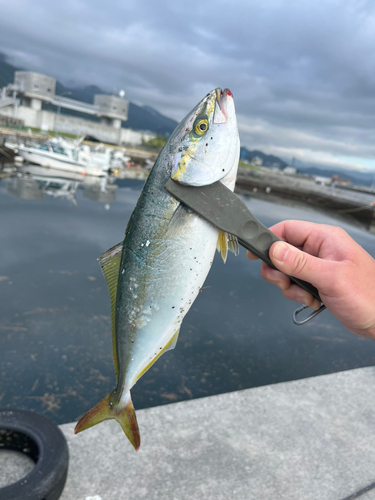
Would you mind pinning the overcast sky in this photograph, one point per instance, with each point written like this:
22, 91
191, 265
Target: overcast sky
302, 72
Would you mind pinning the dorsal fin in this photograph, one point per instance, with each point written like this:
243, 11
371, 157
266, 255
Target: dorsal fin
226, 242
110, 263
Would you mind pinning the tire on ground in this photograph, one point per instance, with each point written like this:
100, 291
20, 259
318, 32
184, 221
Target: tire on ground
40, 439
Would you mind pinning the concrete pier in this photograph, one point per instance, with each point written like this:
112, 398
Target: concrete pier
349, 203
311, 439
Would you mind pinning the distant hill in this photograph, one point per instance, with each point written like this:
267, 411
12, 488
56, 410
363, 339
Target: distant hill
155, 121
358, 177
6, 71
140, 117
268, 160
147, 118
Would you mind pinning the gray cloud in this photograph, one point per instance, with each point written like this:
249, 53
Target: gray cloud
302, 72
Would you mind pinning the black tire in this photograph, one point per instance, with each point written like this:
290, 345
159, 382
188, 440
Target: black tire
40, 439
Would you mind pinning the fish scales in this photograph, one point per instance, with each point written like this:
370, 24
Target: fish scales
154, 294
155, 275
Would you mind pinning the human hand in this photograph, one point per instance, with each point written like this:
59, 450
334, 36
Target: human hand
328, 258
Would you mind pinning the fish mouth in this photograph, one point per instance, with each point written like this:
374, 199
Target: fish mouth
220, 113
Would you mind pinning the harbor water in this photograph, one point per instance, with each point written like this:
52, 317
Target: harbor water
55, 333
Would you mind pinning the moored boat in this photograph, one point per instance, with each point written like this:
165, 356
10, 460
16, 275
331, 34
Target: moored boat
60, 154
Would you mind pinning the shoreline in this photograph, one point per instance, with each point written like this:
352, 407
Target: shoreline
354, 204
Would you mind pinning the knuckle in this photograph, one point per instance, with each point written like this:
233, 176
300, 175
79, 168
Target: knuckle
300, 263
251, 256
338, 232
296, 294
265, 270
308, 300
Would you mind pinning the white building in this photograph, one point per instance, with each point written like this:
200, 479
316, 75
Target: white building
322, 181
257, 161
25, 97
289, 170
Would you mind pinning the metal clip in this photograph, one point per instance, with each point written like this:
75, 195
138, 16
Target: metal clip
311, 316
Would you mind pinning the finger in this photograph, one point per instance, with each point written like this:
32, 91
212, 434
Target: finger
301, 234
290, 290
296, 293
294, 262
275, 277
251, 256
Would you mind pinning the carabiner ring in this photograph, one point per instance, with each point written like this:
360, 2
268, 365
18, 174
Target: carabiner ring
311, 316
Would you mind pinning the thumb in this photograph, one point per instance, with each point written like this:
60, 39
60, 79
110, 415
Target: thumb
294, 262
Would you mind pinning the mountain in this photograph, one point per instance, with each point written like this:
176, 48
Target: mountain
147, 118
268, 160
6, 71
140, 117
357, 177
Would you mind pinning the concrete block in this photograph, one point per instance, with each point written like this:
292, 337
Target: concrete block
310, 439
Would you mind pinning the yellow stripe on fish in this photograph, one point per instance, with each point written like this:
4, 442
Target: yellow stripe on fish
156, 273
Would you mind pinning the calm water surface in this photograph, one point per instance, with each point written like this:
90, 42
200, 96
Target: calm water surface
55, 339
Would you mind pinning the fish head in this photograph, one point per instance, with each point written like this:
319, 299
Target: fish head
205, 146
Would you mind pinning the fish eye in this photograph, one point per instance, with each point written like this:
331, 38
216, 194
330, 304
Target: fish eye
201, 126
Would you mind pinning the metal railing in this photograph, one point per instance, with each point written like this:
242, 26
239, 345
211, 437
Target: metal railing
66, 102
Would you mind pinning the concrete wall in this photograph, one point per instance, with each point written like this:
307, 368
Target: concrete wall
29, 115
46, 120
79, 126
9, 121
129, 136
8, 111
104, 133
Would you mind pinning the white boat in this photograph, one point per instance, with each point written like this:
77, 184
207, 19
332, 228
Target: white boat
115, 157
60, 154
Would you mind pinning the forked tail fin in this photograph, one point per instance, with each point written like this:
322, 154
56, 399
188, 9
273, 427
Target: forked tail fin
105, 410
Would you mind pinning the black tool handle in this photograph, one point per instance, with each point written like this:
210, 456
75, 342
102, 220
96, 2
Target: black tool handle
258, 239
220, 206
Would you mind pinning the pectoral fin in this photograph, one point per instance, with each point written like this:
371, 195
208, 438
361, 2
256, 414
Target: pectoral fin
177, 222
227, 242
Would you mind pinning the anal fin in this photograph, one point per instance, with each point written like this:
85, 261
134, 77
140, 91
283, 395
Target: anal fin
171, 344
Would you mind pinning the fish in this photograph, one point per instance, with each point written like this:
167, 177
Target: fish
156, 273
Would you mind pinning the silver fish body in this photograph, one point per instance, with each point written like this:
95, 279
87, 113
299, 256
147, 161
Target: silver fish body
156, 274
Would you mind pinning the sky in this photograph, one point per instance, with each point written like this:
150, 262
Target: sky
302, 72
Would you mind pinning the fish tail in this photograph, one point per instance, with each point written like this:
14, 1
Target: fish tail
124, 413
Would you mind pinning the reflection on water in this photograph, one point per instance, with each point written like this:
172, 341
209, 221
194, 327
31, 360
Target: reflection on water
33, 182
55, 338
